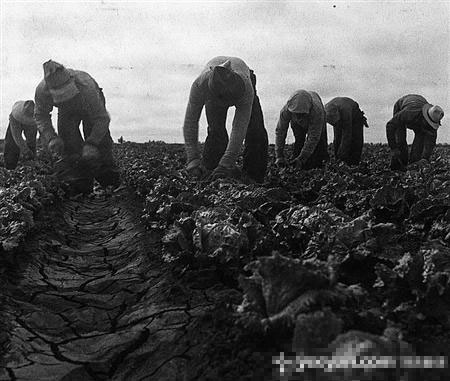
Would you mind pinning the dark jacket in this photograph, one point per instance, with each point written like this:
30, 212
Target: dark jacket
408, 114
343, 113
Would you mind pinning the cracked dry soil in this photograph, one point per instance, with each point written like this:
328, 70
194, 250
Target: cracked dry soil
88, 299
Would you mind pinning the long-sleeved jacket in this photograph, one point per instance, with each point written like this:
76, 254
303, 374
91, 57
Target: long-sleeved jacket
17, 129
408, 114
93, 106
316, 124
200, 94
342, 112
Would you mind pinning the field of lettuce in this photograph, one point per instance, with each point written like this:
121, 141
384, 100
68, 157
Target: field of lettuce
338, 262
23, 193
312, 254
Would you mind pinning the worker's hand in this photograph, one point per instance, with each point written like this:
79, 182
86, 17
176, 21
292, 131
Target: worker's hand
280, 162
298, 163
220, 172
27, 154
419, 163
423, 162
195, 169
90, 153
56, 145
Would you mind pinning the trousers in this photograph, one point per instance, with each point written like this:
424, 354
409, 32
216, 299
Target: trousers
255, 156
11, 153
320, 153
71, 169
356, 138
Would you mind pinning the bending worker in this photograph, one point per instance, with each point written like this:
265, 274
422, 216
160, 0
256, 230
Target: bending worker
305, 113
414, 112
348, 123
226, 82
21, 121
78, 98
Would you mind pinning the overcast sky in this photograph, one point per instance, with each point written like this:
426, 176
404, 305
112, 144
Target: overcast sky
145, 55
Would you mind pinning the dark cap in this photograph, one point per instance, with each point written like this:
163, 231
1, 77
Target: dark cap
225, 83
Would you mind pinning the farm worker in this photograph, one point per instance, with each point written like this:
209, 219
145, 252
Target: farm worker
348, 123
78, 98
305, 113
414, 112
226, 82
21, 123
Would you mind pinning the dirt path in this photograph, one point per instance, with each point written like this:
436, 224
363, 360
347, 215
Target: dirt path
93, 302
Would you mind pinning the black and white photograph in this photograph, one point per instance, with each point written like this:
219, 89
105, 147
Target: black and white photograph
224, 190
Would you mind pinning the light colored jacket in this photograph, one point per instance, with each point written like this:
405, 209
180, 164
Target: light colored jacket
200, 94
93, 107
316, 122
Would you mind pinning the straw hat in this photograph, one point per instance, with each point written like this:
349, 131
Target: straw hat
61, 85
300, 102
433, 115
225, 83
23, 112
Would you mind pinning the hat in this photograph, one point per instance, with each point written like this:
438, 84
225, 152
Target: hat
225, 83
23, 112
300, 102
61, 85
433, 115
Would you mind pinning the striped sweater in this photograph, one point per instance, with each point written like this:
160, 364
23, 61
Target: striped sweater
197, 98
